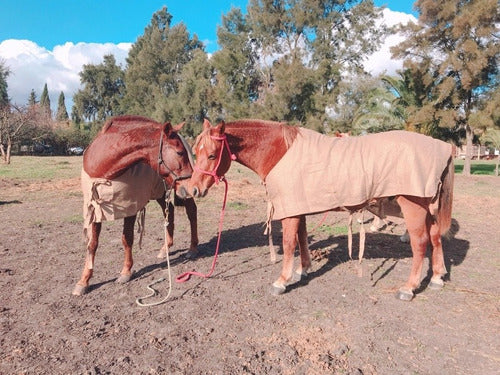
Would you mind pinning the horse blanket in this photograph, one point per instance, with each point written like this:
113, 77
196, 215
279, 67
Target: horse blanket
121, 197
320, 173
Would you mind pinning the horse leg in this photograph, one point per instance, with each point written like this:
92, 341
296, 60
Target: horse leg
305, 256
416, 218
127, 241
82, 285
192, 214
290, 229
438, 266
170, 226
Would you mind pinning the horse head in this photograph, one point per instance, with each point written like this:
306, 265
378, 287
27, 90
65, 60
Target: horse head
213, 159
174, 162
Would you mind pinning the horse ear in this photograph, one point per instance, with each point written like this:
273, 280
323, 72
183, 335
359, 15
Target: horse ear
167, 127
221, 126
206, 124
178, 126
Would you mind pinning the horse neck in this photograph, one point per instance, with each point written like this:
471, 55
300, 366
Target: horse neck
104, 159
258, 149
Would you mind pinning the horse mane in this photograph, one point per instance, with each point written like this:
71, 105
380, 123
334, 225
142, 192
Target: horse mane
124, 119
288, 132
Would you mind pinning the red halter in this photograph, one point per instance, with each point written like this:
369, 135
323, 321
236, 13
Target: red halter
213, 172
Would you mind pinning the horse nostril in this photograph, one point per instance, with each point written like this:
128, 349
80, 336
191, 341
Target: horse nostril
195, 192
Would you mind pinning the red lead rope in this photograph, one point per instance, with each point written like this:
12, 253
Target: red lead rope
187, 275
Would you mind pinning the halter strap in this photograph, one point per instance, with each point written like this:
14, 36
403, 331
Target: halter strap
213, 172
170, 171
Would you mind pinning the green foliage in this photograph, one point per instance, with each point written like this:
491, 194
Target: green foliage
103, 88
155, 65
4, 96
32, 98
62, 113
45, 101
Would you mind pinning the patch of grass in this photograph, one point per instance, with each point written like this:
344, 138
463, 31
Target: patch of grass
37, 168
331, 230
478, 167
238, 205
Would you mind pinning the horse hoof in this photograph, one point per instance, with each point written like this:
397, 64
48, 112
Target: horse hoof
436, 284
79, 290
191, 254
122, 279
277, 290
404, 295
297, 276
162, 254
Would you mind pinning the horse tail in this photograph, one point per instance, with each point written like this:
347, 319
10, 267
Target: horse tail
446, 197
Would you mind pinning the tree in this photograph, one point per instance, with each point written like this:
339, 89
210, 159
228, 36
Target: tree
45, 101
102, 92
236, 64
492, 137
455, 49
155, 64
32, 98
19, 124
62, 113
4, 95
307, 47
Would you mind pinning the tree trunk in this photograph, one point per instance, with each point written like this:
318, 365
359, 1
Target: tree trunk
496, 167
7, 154
468, 150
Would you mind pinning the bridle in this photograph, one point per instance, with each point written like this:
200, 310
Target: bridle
170, 171
186, 275
213, 172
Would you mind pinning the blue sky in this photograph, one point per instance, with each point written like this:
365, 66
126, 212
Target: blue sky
50, 23
49, 41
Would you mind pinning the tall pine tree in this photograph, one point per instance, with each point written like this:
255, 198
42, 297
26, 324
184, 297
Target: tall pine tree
45, 101
62, 113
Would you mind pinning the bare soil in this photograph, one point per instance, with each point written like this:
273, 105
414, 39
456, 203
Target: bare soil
335, 322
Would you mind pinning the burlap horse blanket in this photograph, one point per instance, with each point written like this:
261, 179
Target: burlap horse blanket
124, 196
320, 173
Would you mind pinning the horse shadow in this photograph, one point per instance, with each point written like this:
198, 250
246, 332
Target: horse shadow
389, 248
380, 245
10, 202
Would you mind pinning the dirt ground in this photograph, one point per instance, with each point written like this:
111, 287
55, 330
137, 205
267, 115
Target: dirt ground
335, 322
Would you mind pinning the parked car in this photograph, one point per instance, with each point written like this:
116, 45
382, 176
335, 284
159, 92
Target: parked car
42, 149
75, 150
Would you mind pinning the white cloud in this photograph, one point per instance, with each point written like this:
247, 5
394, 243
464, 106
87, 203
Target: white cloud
381, 61
32, 66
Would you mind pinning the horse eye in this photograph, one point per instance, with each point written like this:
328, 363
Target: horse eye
211, 157
180, 153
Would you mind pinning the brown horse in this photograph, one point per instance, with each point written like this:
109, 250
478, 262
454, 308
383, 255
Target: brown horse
132, 160
270, 150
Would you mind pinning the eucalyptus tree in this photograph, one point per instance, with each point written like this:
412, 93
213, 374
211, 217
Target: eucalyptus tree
236, 66
307, 47
102, 92
454, 47
154, 66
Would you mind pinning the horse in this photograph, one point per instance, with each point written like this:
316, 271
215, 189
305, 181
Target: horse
132, 159
282, 156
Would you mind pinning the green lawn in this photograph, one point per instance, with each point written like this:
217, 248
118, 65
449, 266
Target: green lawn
39, 168
478, 167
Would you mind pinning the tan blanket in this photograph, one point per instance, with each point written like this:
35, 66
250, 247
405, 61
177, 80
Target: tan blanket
320, 173
121, 197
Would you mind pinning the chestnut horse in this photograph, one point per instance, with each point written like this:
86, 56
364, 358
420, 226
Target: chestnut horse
121, 146
260, 146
